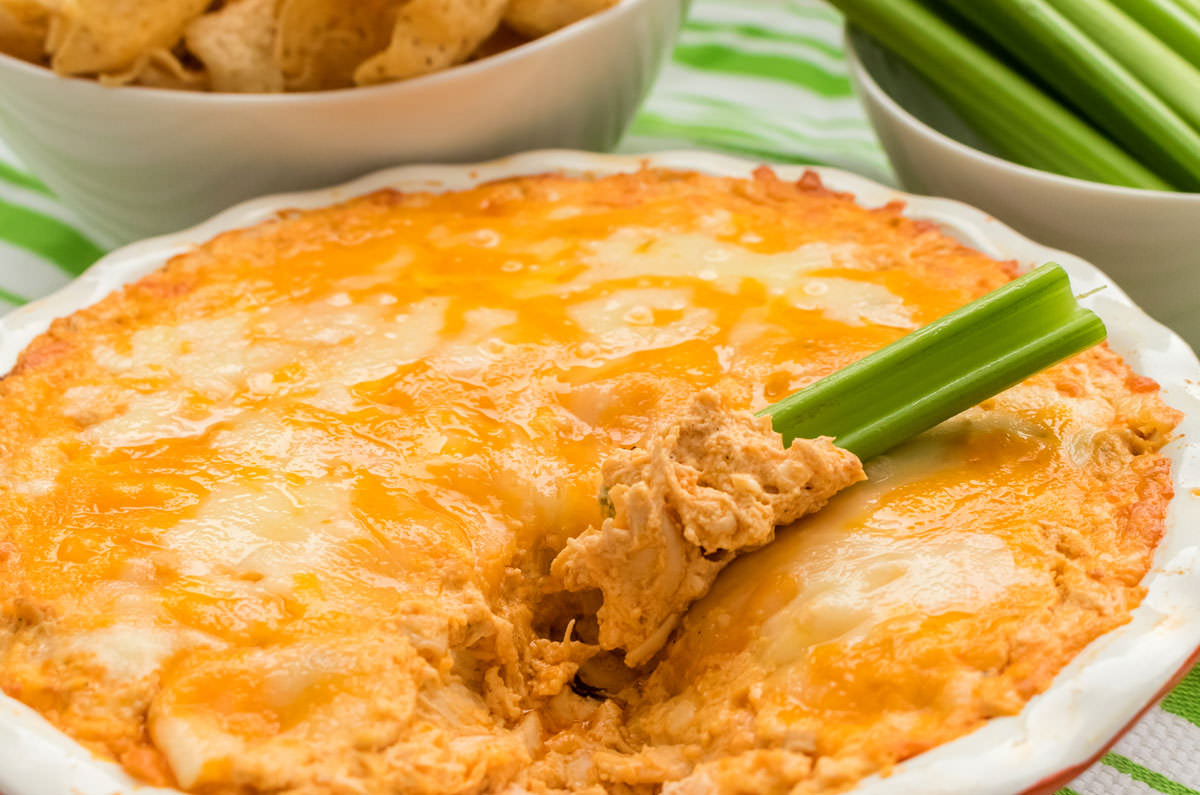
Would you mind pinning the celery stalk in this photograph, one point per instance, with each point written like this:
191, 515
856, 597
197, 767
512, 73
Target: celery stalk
1170, 22
1051, 46
1190, 6
943, 368
994, 99
1154, 63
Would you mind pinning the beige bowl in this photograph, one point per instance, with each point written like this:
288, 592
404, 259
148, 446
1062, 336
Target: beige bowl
135, 162
1147, 241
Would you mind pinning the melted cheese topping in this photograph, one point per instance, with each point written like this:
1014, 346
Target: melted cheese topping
280, 517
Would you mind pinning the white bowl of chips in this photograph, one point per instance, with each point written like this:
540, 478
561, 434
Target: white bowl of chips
138, 160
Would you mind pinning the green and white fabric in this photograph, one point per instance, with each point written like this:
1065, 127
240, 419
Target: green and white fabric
40, 248
762, 78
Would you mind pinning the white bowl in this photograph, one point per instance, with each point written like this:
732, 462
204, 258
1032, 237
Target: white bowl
1089, 702
134, 162
1148, 241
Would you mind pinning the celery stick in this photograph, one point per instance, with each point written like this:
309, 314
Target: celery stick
1154, 63
944, 368
1190, 6
1051, 46
1170, 22
993, 98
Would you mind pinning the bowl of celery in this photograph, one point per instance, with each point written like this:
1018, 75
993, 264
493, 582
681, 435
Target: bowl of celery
1075, 121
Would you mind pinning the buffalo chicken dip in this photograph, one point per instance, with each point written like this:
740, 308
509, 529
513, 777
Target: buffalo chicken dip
464, 493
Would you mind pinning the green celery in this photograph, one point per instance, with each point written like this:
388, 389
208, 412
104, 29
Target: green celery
1154, 63
943, 368
1025, 123
1170, 22
1190, 6
1054, 48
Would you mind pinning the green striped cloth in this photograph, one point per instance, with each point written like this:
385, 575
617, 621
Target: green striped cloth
766, 79
40, 248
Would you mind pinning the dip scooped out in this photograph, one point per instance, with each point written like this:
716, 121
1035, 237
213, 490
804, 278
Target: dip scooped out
715, 483
701, 491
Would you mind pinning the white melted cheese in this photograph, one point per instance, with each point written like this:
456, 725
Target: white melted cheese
630, 320
197, 745
476, 346
89, 404
191, 743
857, 564
150, 417
338, 345
635, 253
356, 343
267, 533
254, 438
127, 652
852, 583
851, 302
35, 487
631, 253
381, 348
212, 357
215, 357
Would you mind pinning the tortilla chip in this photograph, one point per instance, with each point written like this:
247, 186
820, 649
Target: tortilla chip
503, 39
24, 26
535, 18
159, 69
321, 42
108, 36
237, 46
271, 45
430, 35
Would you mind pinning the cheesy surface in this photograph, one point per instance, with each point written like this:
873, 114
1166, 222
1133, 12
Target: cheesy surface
281, 516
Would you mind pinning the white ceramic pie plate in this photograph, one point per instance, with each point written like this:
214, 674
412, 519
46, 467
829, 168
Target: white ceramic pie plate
1089, 703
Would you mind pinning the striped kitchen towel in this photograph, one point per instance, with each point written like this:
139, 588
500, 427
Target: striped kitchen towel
762, 78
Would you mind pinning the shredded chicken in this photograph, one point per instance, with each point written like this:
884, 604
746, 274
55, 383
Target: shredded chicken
702, 490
